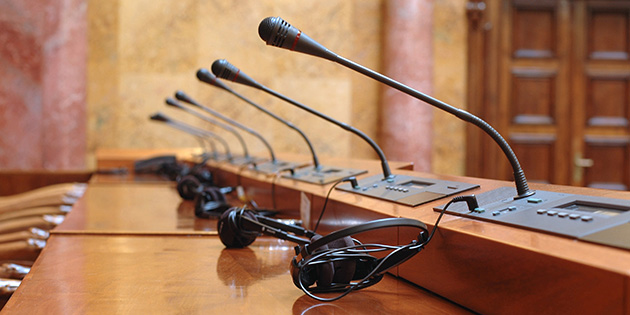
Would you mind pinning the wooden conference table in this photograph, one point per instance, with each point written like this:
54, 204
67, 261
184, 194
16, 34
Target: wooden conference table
131, 245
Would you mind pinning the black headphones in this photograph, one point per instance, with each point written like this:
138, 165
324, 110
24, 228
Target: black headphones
210, 201
332, 263
188, 187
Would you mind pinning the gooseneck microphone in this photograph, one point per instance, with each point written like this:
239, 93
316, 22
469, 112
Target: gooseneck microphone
187, 99
203, 139
192, 130
277, 32
205, 76
174, 103
223, 69
318, 174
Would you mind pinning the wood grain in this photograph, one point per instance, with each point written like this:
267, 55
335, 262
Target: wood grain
187, 275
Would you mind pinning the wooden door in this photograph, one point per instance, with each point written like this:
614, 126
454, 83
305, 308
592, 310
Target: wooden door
553, 76
602, 94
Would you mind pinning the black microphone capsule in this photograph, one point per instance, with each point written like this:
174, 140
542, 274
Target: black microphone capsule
159, 117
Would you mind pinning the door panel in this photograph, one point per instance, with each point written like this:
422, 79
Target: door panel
533, 96
603, 66
556, 84
539, 148
607, 31
610, 157
533, 87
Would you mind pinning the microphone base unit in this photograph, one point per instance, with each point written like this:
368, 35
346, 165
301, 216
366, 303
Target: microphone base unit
218, 157
407, 190
276, 167
593, 219
241, 160
325, 175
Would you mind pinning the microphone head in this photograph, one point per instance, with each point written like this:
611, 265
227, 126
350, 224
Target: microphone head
205, 76
266, 27
180, 95
277, 32
225, 70
171, 102
159, 117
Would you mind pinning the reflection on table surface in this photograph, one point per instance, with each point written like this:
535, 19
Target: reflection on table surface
185, 274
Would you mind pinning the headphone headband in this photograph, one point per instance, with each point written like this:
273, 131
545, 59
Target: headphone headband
364, 227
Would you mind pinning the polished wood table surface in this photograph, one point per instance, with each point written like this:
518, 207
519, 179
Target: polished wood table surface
132, 245
486, 267
79, 274
134, 208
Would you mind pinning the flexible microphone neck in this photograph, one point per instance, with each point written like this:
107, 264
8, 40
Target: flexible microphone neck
207, 77
174, 103
225, 70
192, 130
159, 117
277, 32
187, 99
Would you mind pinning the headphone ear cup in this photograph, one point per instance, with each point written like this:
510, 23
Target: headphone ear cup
210, 203
188, 187
231, 235
204, 175
325, 273
343, 269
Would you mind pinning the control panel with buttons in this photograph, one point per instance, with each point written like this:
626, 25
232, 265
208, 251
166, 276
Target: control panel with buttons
407, 190
575, 216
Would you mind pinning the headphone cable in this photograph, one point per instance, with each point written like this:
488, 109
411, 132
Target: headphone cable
470, 199
351, 179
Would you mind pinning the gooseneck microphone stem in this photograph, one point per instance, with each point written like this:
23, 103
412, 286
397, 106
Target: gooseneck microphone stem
264, 110
185, 98
185, 127
227, 71
277, 32
199, 134
202, 139
212, 135
203, 143
387, 173
519, 176
288, 124
238, 136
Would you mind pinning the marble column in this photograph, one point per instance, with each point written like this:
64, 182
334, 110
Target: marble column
43, 59
406, 123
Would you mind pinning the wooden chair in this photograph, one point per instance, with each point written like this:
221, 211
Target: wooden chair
44, 222
13, 271
53, 195
36, 211
27, 249
33, 233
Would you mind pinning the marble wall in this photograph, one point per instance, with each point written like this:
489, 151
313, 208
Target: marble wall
43, 58
141, 51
